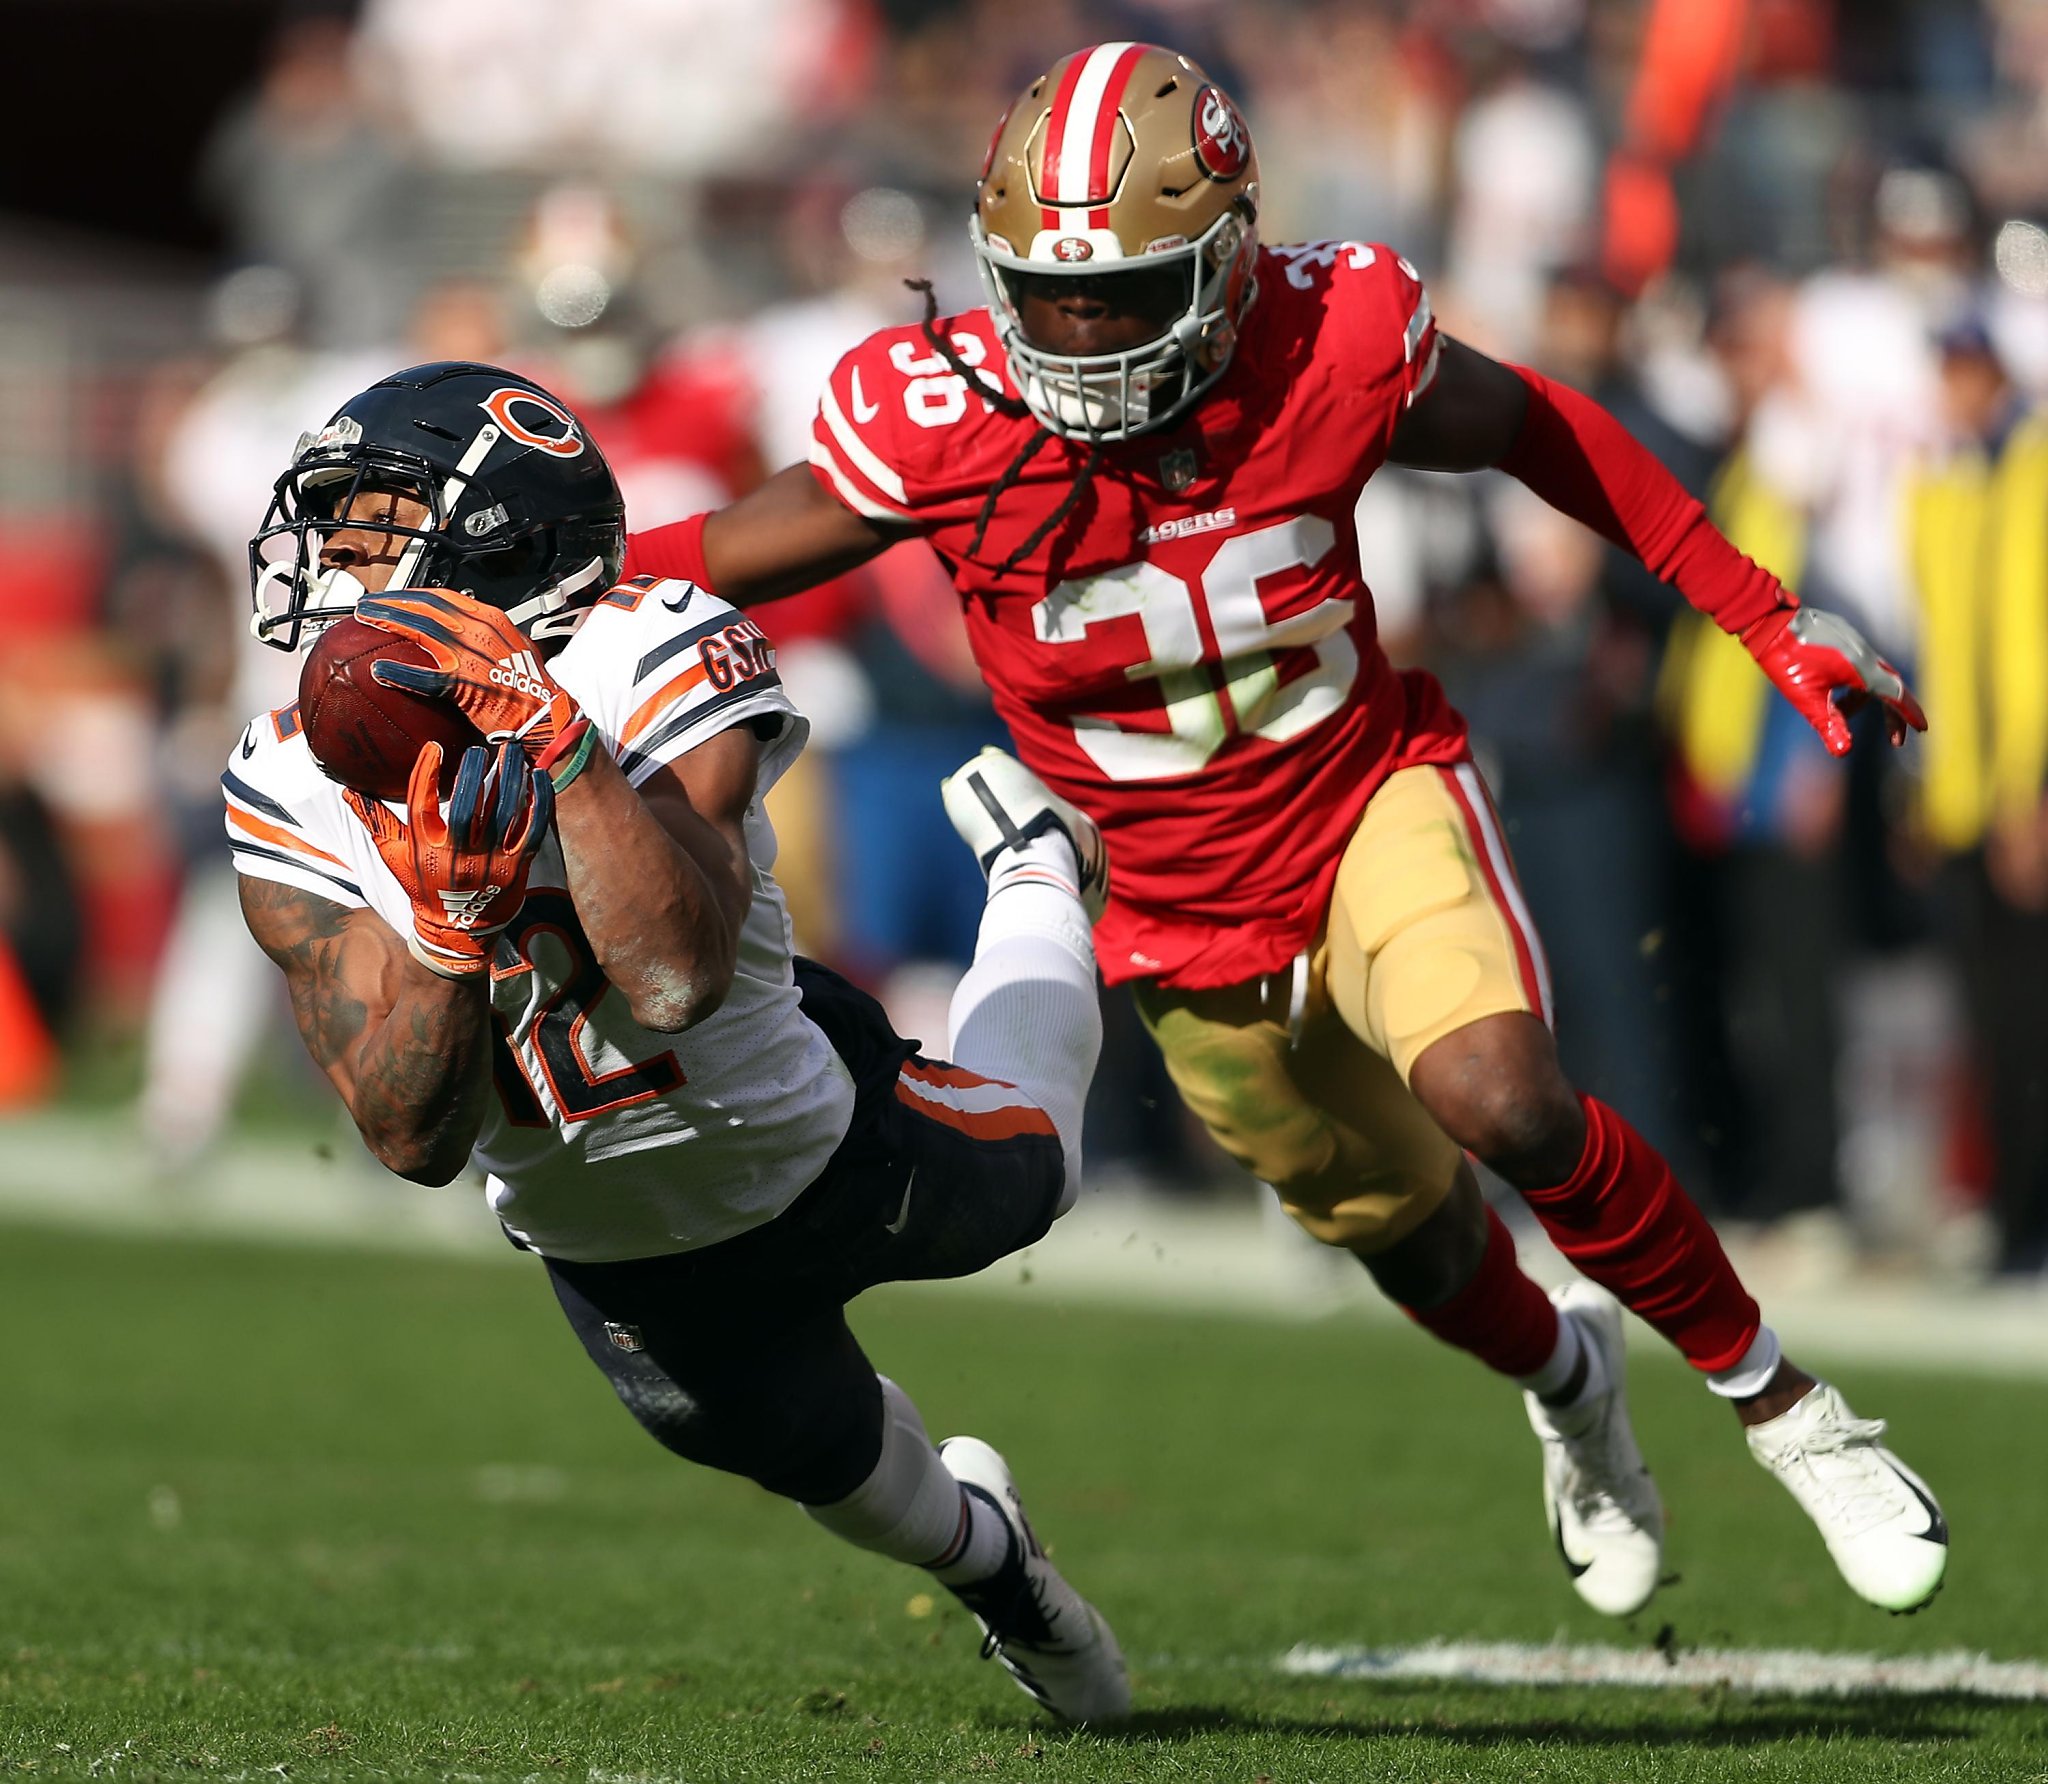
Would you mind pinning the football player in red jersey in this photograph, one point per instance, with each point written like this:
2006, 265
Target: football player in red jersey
1139, 463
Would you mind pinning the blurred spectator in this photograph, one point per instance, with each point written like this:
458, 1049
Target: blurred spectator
1978, 532
1523, 160
1689, 56
2005, 143
1354, 128
879, 661
675, 430
215, 998
1837, 435
687, 88
1551, 664
1761, 806
308, 178
41, 935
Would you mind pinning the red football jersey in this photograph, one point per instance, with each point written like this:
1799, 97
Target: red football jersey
1190, 656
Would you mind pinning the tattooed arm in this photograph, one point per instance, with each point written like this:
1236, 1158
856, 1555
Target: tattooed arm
660, 875
408, 1050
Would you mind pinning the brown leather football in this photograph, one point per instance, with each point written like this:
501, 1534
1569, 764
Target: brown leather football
363, 734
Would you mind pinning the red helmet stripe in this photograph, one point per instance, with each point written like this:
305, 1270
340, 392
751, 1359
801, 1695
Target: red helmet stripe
1082, 128
1105, 128
1056, 137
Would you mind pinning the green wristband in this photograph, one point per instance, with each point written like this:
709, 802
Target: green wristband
562, 773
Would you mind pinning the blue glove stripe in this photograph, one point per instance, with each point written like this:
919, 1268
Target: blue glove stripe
424, 624
465, 801
514, 777
411, 678
542, 812
425, 597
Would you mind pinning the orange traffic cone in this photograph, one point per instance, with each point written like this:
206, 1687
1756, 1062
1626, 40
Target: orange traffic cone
28, 1056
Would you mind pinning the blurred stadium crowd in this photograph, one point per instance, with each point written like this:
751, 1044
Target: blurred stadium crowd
1798, 245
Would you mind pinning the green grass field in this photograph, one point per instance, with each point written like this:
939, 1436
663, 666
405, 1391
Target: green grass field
309, 1515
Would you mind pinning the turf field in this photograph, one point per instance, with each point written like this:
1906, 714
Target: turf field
310, 1515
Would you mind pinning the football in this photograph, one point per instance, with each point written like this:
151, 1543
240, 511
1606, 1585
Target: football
363, 734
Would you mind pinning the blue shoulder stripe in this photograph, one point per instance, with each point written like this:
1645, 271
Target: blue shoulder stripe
682, 641
688, 720
262, 802
298, 861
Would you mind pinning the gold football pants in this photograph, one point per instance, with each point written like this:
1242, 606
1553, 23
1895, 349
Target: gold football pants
1426, 932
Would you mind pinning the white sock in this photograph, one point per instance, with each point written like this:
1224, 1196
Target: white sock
1753, 1373
1563, 1363
911, 1509
1026, 1011
1046, 860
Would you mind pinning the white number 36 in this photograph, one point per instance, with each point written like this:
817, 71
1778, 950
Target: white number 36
935, 394
1241, 682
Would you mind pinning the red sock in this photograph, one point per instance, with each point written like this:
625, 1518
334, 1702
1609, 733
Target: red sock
1500, 1316
1622, 1219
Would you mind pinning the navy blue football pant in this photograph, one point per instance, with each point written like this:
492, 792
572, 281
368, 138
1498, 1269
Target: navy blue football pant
738, 1355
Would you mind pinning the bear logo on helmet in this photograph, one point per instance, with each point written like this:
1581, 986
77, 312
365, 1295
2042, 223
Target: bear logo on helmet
504, 405
1222, 143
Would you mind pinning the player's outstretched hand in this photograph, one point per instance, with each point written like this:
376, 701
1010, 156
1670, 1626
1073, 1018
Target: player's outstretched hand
464, 869
482, 662
1827, 669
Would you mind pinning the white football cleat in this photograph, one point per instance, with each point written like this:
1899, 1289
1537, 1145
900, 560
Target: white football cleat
996, 803
1605, 1516
1053, 1642
1881, 1524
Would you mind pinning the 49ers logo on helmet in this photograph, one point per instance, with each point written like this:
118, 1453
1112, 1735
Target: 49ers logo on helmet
1222, 143
1073, 247
505, 406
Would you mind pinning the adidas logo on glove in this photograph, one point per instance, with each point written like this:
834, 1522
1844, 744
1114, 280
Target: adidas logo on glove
522, 674
466, 909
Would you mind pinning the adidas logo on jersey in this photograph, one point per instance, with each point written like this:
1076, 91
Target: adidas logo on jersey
522, 674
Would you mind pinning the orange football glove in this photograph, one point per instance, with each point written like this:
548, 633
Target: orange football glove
1826, 668
464, 871
483, 663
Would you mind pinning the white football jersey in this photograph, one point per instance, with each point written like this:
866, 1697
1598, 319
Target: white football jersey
604, 1140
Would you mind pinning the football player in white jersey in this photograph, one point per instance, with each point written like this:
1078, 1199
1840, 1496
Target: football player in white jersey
576, 974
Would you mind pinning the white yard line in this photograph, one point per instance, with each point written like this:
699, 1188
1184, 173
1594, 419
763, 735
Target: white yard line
1798, 1672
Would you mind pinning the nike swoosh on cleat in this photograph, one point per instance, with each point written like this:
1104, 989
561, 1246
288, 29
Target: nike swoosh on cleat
1013, 838
1937, 1525
1575, 1568
903, 1210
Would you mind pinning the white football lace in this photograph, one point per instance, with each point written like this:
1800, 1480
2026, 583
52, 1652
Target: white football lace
1837, 1473
1590, 1490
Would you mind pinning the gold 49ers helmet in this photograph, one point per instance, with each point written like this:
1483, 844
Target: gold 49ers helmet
1124, 161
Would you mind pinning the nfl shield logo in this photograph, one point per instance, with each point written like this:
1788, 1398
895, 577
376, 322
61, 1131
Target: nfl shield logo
625, 1338
1177, 470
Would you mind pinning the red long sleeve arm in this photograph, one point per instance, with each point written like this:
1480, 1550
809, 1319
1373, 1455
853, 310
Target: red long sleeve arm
1584, 463
676, 551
